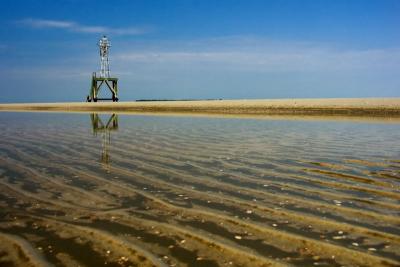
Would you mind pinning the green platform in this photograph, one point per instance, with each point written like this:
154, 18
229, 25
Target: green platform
97, 82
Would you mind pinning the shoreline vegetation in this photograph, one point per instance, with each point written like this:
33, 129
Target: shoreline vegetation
347, 107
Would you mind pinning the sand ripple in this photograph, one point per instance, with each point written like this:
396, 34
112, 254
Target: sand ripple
165, 191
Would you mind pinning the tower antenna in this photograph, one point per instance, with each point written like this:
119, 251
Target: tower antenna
104, 45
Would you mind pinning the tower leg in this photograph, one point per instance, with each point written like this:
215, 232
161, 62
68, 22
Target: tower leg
114, 94
115, 87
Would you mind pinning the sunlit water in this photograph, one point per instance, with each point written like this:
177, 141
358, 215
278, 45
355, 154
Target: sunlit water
127, 190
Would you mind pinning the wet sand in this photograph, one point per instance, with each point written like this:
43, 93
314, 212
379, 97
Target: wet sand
198, 192
277, 197
375, 107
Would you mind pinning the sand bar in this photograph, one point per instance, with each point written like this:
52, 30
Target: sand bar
374, 107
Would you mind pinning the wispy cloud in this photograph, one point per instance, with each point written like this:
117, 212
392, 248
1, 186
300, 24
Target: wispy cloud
262, 55
77, 27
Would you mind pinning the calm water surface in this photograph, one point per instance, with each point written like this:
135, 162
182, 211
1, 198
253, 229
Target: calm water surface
128, 190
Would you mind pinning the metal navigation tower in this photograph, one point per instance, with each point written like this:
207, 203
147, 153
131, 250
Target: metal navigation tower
104, 75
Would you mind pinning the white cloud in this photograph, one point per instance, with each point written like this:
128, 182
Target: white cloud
257, 55
76, 27
40, 23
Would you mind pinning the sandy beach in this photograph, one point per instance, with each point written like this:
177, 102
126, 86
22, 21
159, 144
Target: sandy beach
381, 107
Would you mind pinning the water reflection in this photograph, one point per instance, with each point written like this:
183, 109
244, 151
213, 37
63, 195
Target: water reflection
105, 129
197, 192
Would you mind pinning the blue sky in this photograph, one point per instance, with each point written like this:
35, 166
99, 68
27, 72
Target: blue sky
227, 49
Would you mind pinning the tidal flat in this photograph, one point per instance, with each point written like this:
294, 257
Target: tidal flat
147, 190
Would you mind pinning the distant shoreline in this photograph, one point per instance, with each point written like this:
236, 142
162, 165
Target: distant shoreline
373, 107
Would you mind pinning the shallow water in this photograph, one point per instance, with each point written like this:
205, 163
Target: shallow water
124, 190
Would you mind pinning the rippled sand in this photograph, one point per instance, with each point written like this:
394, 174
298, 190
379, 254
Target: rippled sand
176, 191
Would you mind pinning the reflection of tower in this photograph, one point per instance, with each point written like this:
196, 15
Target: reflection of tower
105, 129
104, 77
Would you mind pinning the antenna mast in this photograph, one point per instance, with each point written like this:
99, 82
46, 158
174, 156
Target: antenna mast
104, 45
